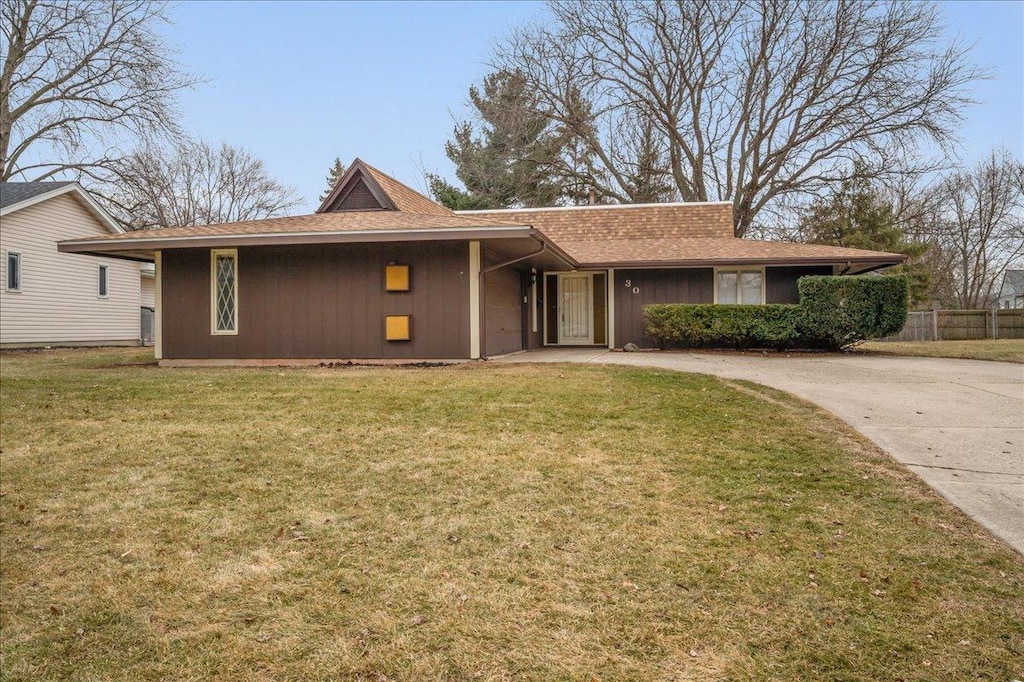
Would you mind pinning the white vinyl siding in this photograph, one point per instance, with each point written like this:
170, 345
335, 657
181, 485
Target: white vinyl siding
147, 297
102, 285
58, 302
12, 275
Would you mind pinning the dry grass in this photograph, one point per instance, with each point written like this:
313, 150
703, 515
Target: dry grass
480, 522
1002, 350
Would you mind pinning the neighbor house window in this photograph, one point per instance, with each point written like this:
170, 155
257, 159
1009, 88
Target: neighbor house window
739, 286
13, 272
102, 282
224, 280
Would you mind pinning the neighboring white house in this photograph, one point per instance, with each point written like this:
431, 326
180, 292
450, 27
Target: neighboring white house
1011, 293
147, 299
50, 298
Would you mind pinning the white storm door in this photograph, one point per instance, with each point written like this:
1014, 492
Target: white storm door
575, 310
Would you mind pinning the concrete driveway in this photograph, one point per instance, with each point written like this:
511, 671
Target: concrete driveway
958, 424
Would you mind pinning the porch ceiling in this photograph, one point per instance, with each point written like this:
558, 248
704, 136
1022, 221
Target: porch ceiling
500, 251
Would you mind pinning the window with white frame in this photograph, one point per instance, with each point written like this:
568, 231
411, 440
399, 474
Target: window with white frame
13, 274
739, 286
101, 281
224, 291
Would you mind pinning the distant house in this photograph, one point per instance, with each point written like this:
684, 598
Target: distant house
1011, 293
382, 272
51, 298
147, 302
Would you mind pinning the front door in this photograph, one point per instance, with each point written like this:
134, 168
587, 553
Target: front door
575, 309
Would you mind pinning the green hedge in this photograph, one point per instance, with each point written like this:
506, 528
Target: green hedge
842, 311
722, 326
833, 313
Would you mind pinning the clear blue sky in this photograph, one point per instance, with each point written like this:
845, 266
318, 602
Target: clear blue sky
300, 83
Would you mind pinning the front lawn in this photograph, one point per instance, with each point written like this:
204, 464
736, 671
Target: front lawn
491, 522
1003, 350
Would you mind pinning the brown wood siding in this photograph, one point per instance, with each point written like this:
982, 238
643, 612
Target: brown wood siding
359, 198
781, 286
503, 311
323, 301
694, 285
600, 312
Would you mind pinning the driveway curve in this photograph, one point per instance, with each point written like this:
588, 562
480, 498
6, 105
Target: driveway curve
958, 424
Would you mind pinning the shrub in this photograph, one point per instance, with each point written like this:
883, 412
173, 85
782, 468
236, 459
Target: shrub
723, 326
843, 311
833, 313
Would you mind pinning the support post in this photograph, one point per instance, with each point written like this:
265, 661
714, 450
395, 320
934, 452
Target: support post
474, 300
610, 284
158, 305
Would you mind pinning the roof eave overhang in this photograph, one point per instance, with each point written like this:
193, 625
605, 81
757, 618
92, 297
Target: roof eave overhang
553, 248
134, 248
861, 264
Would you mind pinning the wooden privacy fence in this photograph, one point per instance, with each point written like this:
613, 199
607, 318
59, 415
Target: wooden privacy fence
957, 325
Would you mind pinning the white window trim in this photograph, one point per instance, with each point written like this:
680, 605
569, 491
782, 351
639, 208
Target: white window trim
101, 280
21, 272
213, 291
740, 269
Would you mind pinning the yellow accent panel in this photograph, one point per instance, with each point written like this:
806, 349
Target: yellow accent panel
396, 328
396, 278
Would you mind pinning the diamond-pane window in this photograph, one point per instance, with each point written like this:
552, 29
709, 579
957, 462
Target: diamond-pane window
225, 292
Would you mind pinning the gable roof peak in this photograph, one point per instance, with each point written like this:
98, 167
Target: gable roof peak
15, 196
364, 187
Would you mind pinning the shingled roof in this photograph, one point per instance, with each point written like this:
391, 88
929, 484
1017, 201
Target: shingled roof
344, 221
405, 197
367, 203
667, 234
622, 221
16, 192
371, 189
691, 251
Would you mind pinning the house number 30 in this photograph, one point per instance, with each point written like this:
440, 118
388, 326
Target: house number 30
629, 285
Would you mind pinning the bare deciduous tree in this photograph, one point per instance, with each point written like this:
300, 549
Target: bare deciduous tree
75, 75
976, 226
195, 184
747, 101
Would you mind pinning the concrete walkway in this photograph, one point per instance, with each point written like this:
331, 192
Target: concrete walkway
958, 424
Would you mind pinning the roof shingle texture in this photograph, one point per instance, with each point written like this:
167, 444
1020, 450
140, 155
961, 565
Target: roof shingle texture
707, 249
406, 198
623, 222
340, 221
668, 233
590, 235
16, 192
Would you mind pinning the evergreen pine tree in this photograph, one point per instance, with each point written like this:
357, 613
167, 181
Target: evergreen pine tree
858, 216
333, 176
511, 157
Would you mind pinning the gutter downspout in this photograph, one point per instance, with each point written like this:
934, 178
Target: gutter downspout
849, 266
483, 289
